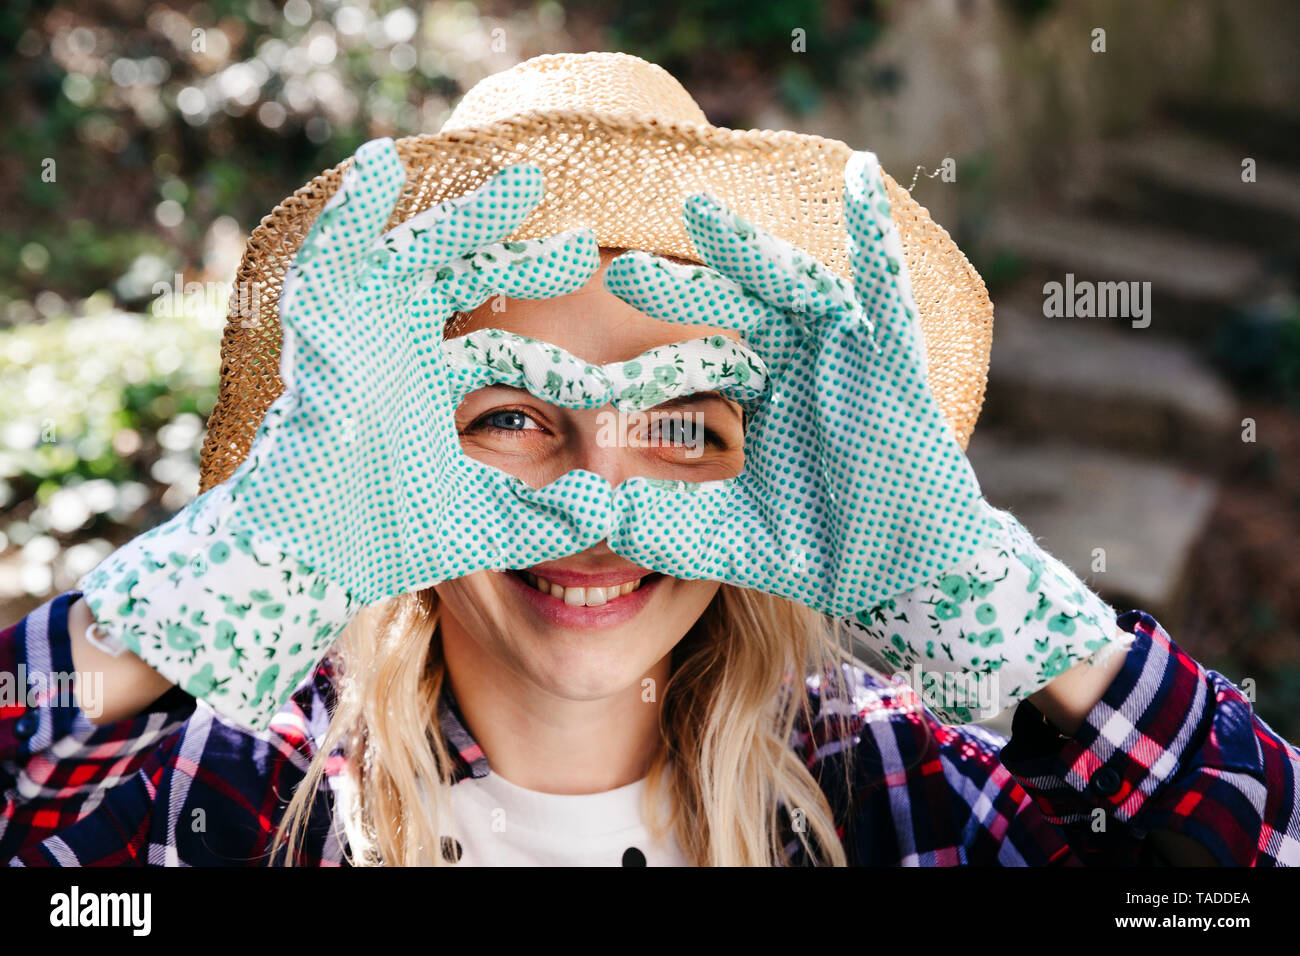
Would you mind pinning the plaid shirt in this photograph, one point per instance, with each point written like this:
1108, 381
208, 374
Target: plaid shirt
1170, 746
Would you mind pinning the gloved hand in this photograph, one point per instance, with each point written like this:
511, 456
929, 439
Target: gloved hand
855, 498
854, 487
356, 487
983, 635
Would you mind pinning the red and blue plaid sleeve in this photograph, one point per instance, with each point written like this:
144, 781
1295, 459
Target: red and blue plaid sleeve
922, 792
933, 794
55, 765
173, 785
1170, 746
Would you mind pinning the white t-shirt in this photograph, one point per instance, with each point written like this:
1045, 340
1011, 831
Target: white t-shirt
500, 824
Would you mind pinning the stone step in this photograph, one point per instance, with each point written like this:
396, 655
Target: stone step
1266, 131
1181, 180
1145, 517
1194, 282
1122, 389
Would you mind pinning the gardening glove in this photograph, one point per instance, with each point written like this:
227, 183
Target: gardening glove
855, 492
356, 487
983, 635
854, 488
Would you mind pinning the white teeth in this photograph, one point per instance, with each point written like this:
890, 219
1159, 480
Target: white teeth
581, 597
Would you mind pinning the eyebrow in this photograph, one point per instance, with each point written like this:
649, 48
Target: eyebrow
701, 397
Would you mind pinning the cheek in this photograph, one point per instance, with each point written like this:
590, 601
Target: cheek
476, 601
536, 461
682, 603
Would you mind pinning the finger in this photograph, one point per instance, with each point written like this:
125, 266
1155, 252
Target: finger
880, 275
496, 357
713, 363
682, 515
686, 294
357, 212
571, 514
529, 269
519, 525
458, 226
323, 272
771, 268
769, 555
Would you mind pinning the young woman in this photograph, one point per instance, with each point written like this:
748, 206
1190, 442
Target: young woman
597, 524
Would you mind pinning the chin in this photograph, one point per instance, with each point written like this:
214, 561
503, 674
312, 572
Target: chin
587, 673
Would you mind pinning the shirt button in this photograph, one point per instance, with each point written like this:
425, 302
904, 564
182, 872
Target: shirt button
1105, 782
452, 850
25, 726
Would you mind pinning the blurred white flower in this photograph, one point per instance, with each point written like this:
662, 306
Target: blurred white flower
36, 579
180, 434
99, 494
400, 24
125, 71
322, 49
65, 511
80, 558
297, 12
169, 213
350, 21
191, 101
21, 434
131, 496
40, 549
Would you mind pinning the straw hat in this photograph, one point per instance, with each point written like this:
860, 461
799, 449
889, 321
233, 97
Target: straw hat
622, 144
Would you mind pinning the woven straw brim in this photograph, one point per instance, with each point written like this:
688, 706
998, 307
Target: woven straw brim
626, 177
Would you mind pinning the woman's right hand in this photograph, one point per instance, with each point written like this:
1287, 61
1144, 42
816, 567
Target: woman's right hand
361, 474
356, 487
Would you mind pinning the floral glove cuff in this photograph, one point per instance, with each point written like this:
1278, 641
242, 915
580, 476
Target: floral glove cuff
228, 618
986, 634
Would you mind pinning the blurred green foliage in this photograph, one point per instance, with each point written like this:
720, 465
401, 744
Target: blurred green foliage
74, 389
100, 433
712, 39
131, 127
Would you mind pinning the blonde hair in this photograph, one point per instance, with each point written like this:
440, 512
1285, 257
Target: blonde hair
726, 718
726, 721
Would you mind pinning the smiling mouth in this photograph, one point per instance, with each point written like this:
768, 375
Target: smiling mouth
582, 597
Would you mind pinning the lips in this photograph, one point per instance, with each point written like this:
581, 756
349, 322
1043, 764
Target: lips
589, 596
586, 606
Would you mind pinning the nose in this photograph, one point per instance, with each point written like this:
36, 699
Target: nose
599, 445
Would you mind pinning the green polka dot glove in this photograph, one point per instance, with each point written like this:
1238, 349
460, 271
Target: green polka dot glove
855, 494
990, 631
854, 488
356, 487
712, 363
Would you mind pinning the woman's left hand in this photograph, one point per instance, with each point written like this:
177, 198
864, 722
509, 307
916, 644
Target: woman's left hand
856, 498
854, 487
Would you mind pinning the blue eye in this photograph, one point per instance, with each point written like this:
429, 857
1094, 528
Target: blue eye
680, 430
507, 420
677, 430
